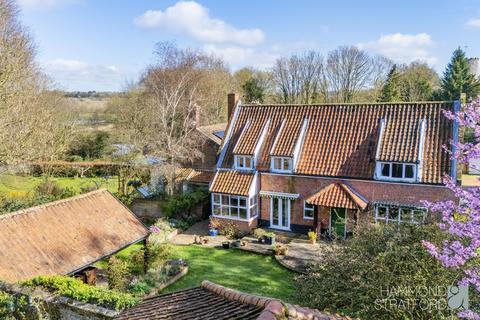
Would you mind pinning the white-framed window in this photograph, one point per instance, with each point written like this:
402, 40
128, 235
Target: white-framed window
243, 162
394, 171
385, 213
281, 164
308, 211
233, 207
253, 206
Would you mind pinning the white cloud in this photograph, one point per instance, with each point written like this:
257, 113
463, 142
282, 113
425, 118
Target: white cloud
80, 74
238, 57
473, 23
194, 20
403, 48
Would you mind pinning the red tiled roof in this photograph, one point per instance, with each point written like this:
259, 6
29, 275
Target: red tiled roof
341, 140
232, 182
211, 301
337, 195
201, 176
64, 236
194, 175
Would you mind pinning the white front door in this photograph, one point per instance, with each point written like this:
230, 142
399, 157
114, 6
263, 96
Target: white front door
280, 213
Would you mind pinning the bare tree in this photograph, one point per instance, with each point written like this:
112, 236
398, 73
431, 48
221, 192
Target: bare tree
34, 122
158, 115
348, 70
299, 78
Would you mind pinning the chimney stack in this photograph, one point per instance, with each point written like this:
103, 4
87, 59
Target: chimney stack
232, 102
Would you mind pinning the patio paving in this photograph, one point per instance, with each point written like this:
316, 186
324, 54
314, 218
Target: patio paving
199, 229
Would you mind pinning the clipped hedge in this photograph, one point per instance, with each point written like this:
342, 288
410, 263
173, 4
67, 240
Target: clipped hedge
76, 289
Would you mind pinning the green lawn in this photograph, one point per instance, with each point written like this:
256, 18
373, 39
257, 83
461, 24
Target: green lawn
248, 272
21, 185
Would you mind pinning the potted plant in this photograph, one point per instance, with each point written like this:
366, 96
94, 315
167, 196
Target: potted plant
235, 244
213, 232
226, 244
269, 238
312, 235
280, 250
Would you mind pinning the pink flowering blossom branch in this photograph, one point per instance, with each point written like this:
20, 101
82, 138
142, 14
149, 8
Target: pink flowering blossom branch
461, 218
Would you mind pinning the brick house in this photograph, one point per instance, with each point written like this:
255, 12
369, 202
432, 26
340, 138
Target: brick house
325, 167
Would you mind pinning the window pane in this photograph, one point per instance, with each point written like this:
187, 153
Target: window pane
217, 210
408, 171
418, 216
216, 198
397, 170
243, 213
234, 201
277, 164
275, 210
308, 213
393, 214
287, 164
405, 215
243, 202
248, 162
381, 212
225, 200
308, 206
386, 169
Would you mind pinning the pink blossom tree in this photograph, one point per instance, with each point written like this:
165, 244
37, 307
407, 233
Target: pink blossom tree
461, 218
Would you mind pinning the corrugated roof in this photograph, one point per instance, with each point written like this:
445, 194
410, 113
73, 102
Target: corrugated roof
342, 140
64, 236
337, 195
232, 182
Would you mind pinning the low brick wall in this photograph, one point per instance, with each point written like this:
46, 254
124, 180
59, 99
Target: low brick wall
146, 209
41, 305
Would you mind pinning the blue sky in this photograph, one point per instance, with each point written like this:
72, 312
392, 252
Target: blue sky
104, 44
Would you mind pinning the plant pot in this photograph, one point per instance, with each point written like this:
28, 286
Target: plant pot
235, 244
226, 245
213, 232
269, 240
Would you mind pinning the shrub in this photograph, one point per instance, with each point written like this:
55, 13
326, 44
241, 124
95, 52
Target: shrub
182, 205
160, 230
227, 228
50, 188
259, 233
117, 273
157, 257
76, 289
351, 278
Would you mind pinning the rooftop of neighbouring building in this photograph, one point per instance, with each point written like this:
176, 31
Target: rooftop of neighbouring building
65, 236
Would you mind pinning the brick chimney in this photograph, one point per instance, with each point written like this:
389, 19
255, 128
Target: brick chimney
232, 102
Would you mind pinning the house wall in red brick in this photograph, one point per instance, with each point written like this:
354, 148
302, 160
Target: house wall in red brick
373, 191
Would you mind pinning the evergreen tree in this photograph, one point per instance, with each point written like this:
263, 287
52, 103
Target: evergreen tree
253, 91
391, 88
458, 79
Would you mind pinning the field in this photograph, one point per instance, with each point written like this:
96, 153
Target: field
12, 185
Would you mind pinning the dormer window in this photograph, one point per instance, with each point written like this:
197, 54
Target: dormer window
282, 164
244, 162
394, 171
